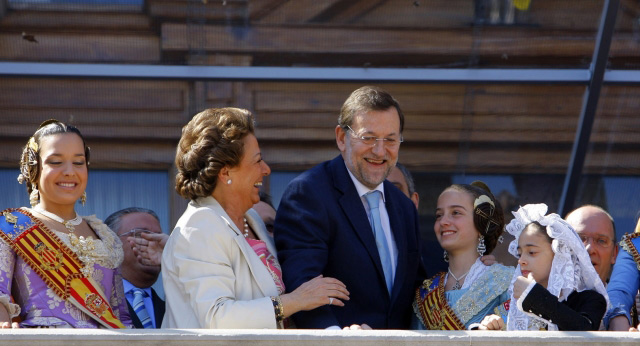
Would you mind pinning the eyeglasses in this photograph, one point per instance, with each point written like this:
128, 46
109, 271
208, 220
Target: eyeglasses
600, 241
372, 140
135, 232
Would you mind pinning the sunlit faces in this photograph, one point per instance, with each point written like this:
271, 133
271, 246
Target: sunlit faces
370, 164
596, 231
247, 176
131, 267
536, 255
454, 226
63, 175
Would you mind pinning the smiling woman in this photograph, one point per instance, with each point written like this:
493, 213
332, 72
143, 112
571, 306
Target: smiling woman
469, 223
58, 269
219, 266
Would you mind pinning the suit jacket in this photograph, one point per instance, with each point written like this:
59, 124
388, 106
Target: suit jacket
158, 310
212, 277
322, 227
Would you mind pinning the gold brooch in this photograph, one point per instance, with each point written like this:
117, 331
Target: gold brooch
10, 217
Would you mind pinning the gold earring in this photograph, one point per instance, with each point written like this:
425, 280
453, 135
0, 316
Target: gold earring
83, 198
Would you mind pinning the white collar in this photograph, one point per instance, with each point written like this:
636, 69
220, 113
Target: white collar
363, 190
128, 287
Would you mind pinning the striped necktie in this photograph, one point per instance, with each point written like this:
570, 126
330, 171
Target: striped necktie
140, 309
373, 200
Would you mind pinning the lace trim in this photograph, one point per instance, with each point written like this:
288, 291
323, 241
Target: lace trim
477, 269
482, 291
107, 249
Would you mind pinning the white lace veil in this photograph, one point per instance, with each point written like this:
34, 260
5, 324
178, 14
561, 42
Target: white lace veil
571, 269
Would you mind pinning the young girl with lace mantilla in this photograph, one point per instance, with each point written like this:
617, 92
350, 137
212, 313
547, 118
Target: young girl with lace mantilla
555, 286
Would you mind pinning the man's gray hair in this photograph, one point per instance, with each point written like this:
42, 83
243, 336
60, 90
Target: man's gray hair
114, 220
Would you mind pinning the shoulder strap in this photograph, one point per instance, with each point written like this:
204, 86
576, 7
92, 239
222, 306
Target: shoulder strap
56, 264
628, 244
435, 312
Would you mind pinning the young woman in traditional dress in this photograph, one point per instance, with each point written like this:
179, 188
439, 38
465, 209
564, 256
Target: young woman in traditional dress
469, 223
57, 269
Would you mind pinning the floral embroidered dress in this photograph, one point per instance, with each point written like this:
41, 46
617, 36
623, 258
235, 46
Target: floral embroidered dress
484, 292
37, 305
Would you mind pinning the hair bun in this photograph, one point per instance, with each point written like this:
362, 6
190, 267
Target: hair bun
481, 185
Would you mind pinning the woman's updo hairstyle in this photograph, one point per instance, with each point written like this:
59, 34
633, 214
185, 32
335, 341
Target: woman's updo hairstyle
209, 142
488, 217
30, 163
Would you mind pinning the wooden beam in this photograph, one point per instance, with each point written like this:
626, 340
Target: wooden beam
297, 11
314, 40
504, 44
104, 132
96, 117
80, 47
93, 94
356, 10
212, 10
86, 21
261, 8
108, 154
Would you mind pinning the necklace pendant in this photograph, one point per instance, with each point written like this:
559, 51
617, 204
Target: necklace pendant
457, 286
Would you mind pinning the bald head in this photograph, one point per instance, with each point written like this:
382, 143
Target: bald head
596, 229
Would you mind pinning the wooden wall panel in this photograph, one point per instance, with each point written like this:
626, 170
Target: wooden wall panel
80, 47
88, 21
133, 124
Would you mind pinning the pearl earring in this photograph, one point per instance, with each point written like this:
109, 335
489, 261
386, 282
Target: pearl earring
229, 182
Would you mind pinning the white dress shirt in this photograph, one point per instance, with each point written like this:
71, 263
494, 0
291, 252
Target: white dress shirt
148, 301
384, 219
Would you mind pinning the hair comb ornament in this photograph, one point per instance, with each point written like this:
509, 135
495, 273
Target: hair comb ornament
483, 199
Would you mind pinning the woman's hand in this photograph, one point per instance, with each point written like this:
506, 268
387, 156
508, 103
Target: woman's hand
363, 326
521, 284
492, 322
149, 247
8, 325
5, 319
314, 293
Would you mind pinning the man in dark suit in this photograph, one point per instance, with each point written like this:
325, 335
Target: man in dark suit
137, 278
342, 219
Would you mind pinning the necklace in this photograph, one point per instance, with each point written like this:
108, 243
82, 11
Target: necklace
457, 286
246, 228
68, 224
81, 246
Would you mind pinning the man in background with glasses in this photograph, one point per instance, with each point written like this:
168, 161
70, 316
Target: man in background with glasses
598, 234
145, 306
597, 230
343, 219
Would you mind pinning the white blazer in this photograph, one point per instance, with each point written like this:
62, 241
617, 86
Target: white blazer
212, 277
